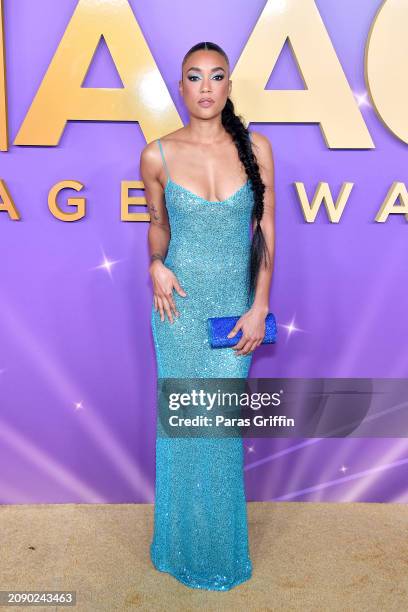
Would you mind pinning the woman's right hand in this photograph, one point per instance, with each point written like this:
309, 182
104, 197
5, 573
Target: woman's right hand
164, 280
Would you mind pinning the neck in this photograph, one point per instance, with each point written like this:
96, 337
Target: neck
206, 131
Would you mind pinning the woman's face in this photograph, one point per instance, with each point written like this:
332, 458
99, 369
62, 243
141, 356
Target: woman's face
205, 85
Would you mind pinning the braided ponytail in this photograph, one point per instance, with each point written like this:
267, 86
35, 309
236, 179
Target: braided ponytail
234, 125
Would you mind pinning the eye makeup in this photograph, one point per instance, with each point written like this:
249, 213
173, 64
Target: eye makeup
194, 77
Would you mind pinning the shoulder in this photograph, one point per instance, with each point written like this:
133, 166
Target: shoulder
261, 142
262, 149
150, 162
151, 151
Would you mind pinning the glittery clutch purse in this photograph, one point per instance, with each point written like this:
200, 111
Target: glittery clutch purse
220, 327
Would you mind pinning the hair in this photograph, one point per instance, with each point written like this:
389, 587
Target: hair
234, 125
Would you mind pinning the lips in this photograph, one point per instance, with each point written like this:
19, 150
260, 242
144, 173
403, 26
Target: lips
206, 102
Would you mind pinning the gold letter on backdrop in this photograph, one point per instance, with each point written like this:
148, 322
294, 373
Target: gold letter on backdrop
144, 97
323, 194
78, 203
328, 99
6, 202
127, 200
397, 191
386, 66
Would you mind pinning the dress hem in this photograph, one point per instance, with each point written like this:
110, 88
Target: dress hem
199, 584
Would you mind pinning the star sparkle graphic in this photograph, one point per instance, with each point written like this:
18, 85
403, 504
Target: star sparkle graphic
291, 328
106, 264
362, 98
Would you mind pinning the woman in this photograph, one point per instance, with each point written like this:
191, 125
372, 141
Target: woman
204, 185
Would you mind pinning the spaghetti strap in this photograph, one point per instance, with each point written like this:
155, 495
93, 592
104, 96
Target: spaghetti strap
163, 158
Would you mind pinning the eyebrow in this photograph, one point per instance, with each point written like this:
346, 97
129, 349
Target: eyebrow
212, 69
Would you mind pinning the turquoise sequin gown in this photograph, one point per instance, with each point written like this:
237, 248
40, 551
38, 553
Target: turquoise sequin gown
200, 516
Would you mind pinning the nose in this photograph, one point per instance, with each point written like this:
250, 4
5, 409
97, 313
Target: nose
205, 88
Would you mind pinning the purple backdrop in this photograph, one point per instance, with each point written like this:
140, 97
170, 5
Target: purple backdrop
77, 368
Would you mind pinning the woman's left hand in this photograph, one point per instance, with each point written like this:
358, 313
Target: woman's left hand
253, 328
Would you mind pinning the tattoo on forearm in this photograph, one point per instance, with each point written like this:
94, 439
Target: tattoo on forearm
154, 211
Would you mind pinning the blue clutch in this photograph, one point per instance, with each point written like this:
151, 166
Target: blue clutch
220, 327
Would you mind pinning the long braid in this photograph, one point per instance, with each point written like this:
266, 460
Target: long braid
234, 125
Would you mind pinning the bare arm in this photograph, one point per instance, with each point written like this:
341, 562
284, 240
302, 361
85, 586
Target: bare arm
252, 322
264, 155
159, 228
164, 280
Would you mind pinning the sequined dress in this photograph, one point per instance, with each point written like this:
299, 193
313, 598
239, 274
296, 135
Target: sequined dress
200, 516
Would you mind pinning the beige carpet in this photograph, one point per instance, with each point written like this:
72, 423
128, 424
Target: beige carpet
306, 556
